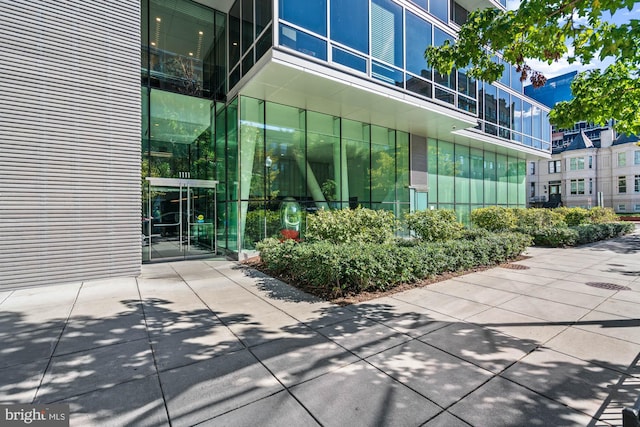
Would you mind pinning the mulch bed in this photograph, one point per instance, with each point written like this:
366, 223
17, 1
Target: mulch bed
349, 299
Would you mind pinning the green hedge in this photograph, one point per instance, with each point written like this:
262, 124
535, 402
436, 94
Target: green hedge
351, 226
434, 225
353, 268
494, 218
578, 235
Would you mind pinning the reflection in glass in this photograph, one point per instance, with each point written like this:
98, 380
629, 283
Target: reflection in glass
350, 23
356, 152
418, 33
383, 164
462, 182
303, 42
179, 49
446, 172
386, 31
310, 14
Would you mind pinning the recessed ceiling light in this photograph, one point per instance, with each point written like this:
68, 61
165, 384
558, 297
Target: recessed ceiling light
158, 19
190, 53
156, 124
153, 43
200, 32
235, 43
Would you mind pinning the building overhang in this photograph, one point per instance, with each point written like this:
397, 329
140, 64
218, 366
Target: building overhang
285, 78
478, 139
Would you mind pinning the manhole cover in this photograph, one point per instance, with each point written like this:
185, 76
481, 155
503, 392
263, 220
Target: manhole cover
609, 286
516, 267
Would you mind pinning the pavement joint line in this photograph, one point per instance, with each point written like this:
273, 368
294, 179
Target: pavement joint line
515, 295
153, 355
53, 351
444, 411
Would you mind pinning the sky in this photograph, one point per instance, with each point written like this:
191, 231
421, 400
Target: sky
562, 66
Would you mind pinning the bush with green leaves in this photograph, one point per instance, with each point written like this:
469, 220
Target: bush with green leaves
574, 216
434, 225
359, 225
357, 267
538, 218
600, 215
580, 234
494, 218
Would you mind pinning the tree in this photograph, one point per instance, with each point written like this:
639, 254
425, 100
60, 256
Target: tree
547, 31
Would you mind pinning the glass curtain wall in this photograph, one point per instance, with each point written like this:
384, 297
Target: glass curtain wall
182, 72
293, 162
464, 178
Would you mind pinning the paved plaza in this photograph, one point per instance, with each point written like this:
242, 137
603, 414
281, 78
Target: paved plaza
553, 341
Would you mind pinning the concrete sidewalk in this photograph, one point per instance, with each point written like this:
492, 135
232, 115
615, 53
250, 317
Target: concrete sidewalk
555, 341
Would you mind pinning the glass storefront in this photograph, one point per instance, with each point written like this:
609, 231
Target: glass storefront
219, 175
182, 73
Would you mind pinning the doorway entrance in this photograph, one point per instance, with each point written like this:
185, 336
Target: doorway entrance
180, 219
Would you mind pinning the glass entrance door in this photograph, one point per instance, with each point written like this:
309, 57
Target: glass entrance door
180, 220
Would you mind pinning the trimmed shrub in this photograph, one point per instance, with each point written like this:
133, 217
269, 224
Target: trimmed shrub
588, 233
538, 218
434, 225
554, 236
357, 267
574, 216
580, 234
351, 226
600, 215
494, 218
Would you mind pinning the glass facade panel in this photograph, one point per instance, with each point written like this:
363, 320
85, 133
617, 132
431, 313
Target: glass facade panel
263, 15
247, 25
386, 32
323, 159
285, 146
439, 9
516, 117
462, 173
387, 74
310, 14
446, 172
418, 33
432, 170
477, 176
419, 86
348, 59
254, 172
513, 179
303, 42
522, 175
356, 155
350, 23
490, 178
180, 50
234, 34
503, 179
402, 167
504, 109
383, 165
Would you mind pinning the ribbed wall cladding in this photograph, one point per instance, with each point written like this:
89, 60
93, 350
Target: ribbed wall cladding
69, 141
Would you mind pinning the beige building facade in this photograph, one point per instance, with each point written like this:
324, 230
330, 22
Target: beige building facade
585, 175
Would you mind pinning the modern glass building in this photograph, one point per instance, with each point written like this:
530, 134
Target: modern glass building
249, 115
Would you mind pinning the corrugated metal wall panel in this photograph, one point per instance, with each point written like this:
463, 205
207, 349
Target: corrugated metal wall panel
69, 141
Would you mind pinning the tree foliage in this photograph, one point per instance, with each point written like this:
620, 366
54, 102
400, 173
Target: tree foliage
547, 31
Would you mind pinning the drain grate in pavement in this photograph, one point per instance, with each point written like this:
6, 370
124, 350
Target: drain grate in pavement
609, 286
516, 267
